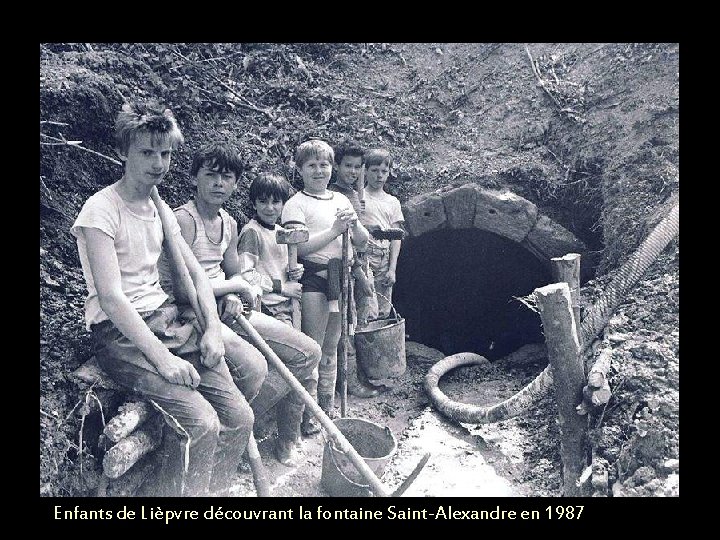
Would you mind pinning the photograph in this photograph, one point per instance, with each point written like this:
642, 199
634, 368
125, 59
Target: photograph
358, 270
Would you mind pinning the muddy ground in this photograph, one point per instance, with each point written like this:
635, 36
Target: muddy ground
465, 460
590, 136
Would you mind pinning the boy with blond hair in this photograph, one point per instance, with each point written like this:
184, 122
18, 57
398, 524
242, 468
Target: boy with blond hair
143, 341
326, 214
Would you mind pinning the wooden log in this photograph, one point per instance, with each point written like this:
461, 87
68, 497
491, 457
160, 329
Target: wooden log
128, 451
91, 373
563, 348
598, 372
597, 391
130, 416
566, 269
129, 483
596, 396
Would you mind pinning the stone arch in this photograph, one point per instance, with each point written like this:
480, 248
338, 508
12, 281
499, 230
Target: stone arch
470, 254
497, 211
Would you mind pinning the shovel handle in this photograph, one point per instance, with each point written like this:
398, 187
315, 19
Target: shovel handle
335, 434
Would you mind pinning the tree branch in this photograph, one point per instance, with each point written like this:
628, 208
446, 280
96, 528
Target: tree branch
75, 144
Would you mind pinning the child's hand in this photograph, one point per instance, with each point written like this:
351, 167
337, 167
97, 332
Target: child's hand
292, 289
231, 308
343, 219
178, 371
296, 273
212, 348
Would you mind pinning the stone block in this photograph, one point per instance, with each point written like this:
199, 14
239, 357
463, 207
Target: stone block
504, 213
549, 239
424, 213
460, 206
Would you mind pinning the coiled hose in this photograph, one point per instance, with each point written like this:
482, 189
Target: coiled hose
592, 324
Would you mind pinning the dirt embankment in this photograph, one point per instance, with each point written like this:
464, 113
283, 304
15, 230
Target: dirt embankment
590, 136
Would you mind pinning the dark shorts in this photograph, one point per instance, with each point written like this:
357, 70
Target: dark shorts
314, 283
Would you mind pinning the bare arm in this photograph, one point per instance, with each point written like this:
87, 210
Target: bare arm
105, 271
394, 253
230, 259
343, 220
360, 236
211, 344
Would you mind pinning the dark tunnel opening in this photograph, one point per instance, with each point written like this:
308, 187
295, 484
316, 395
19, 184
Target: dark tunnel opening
455, 288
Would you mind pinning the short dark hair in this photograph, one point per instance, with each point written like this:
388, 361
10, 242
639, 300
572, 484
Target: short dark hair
377, 156
350, 149
270, 186
149, 117
219, 156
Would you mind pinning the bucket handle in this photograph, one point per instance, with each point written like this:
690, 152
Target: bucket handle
397, 317
339, 469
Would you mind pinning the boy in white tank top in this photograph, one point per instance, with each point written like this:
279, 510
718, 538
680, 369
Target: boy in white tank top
213, 236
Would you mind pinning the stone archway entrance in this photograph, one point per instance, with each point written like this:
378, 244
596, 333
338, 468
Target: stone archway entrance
470, 251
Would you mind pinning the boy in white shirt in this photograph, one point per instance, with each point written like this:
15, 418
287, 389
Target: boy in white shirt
382, 212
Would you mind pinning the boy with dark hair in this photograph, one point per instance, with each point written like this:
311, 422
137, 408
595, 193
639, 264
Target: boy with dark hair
382, 212
264, 262
349, 164
213, 236
143, 341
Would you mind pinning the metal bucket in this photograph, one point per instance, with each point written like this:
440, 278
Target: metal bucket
374, 443
380, 347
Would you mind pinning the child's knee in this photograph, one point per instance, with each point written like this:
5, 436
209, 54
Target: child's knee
256, 371
203, 422
239, 417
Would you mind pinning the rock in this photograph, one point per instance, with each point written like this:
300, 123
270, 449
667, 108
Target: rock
643, 475
460, 206
617, 337
671, 488
671, 465
421, 354
424, 213
548, 239
504, 213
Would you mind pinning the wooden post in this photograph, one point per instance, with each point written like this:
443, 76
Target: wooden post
342, 361
567, 269
561, 338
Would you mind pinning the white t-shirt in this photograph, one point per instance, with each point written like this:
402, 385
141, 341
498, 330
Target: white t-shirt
317, 215
383, 210
138, 244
